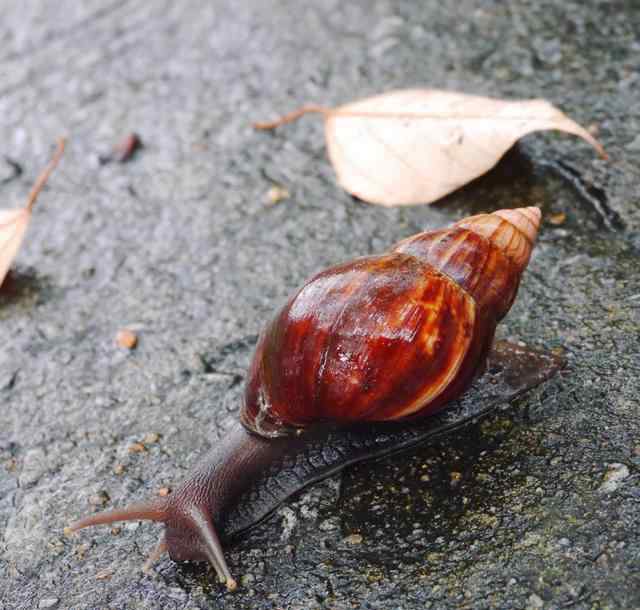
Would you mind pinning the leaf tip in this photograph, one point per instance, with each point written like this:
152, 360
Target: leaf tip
602, 153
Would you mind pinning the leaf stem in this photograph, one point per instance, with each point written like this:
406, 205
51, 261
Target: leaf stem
44, 176
292, 116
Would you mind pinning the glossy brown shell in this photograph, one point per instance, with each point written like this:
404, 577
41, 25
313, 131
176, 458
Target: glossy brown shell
392, 336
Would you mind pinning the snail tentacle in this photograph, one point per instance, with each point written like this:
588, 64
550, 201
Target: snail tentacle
160, 549
208, 538
151, 510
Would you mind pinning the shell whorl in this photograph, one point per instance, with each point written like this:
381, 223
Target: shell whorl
513, 231
393, 336
483, 254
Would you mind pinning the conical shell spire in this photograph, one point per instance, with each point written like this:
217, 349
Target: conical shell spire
513, 231
483, 254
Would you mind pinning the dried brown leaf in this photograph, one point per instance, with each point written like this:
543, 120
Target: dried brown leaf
417, 145
13, 226
14, 223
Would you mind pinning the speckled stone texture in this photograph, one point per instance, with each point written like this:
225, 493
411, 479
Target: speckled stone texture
537, 507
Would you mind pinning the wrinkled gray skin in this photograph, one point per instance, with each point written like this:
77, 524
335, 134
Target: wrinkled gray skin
536, 507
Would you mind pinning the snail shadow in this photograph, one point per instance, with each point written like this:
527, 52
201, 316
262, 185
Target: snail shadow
432, 489
24, 287
471, 475
513, 182
518, 180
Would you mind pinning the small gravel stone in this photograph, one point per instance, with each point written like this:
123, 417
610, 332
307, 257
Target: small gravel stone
48, 602
126, 339
104, 574
328, 525
151, 438
276, 194
34, 465
176, 593
557, 218
353, 539
99, 499
614, 476
247, 579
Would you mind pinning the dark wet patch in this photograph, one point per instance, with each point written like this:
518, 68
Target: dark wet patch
428, 492
520, 180
230, 358
592, 196
24, 286
13, 170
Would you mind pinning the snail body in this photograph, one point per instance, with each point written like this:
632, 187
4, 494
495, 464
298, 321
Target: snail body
359, 363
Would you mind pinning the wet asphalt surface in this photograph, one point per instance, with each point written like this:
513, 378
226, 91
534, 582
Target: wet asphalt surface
536, 507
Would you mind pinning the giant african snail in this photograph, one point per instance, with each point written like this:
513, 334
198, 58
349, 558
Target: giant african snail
391, 337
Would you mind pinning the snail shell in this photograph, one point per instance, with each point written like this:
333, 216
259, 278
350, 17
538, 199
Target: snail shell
393, 336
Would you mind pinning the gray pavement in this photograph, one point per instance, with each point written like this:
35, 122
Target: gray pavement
537, 507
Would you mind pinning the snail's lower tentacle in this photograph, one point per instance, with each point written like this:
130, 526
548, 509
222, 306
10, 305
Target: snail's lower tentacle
210, 541
160, 549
